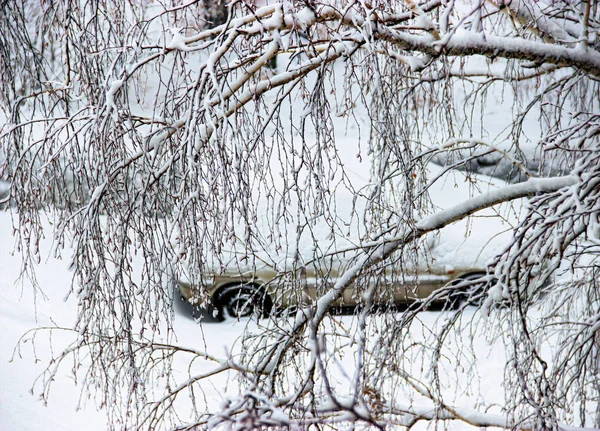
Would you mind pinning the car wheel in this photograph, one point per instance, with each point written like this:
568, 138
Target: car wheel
242, 300
471, 294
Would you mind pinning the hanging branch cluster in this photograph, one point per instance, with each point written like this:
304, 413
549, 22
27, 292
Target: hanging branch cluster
200, 145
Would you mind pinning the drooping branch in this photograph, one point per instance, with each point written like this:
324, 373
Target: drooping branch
375, 253
177, 139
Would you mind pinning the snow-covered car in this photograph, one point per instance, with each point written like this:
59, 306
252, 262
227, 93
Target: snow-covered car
456, 256
262, 292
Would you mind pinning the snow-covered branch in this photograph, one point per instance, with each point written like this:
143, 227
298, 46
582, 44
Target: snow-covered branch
167, 143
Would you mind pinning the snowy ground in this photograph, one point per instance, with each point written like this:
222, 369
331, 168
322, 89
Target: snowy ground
21, 311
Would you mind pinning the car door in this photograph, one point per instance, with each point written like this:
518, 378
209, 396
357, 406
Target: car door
409, 288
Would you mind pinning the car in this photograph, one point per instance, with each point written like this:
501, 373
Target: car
239, 294
457, 257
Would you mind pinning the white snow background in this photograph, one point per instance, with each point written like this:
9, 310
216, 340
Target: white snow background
467, 244
21, 310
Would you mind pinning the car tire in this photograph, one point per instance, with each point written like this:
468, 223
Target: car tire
243, 300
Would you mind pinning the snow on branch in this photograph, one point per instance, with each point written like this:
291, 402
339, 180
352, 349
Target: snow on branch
284, 137
504, 194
